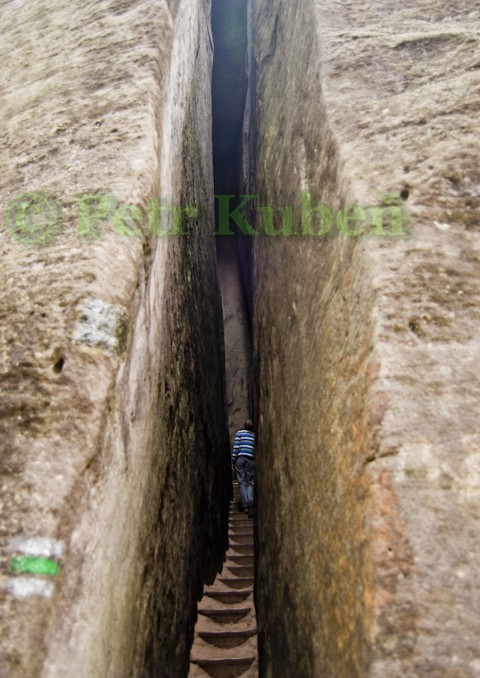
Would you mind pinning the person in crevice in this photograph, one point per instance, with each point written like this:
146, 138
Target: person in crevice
243, 460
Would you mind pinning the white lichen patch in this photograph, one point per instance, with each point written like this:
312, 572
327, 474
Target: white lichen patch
101, 325
469, 472
42, 547
27, 587
418, 459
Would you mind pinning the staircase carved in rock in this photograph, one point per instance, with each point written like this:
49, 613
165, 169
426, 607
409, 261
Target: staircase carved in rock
225, 643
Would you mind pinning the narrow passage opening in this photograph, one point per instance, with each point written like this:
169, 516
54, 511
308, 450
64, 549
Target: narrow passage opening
229, 92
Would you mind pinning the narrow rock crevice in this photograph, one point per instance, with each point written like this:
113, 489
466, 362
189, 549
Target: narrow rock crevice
225, 643
229, 95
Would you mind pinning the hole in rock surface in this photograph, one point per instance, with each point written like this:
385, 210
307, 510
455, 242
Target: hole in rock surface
58, 366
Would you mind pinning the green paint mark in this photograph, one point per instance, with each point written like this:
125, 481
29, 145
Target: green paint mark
32, 565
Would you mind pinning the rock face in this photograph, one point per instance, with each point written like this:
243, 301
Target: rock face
238, 342
113, 469
366, 346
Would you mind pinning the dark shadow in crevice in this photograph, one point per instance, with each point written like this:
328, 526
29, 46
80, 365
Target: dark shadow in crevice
229, 96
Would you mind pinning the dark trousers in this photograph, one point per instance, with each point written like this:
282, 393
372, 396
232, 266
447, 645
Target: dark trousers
244, 470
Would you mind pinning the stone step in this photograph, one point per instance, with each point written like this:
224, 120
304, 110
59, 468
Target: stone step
237, 582
226, 615
234, 535
227, 639
231, 597
241, 570
242, 549
241, 539
241, 560
240, 526
231, 667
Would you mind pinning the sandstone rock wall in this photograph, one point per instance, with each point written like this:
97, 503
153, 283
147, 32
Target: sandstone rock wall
113, 425
237, 337
366, 345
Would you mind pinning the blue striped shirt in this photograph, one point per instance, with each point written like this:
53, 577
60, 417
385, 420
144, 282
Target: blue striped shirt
244, 445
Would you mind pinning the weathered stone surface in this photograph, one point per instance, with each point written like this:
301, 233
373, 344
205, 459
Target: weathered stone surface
113, 425
366, 347
237, 338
